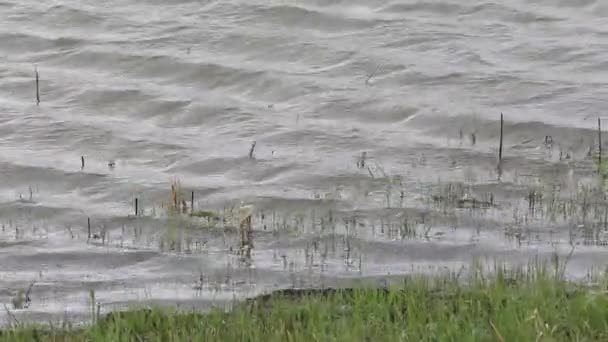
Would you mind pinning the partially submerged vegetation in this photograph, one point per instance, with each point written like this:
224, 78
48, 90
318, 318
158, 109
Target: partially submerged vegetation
523, 305
563, 205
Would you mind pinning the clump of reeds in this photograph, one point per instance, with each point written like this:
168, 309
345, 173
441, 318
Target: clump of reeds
245, 231
177, 203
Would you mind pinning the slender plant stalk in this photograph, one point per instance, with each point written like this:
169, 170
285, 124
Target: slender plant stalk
599, 139
92, 297
252, 150
502, 123
37, 86
192, 203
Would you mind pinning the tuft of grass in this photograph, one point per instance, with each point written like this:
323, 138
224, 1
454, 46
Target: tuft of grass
509, 306
601, 166
19, 300
22, 300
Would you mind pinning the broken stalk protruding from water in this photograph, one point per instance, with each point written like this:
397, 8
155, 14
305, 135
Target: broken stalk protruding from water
81, 162
502, 123
136, 206
252, 150
89, 229
92, 298
192, 203
37, 86
599, 139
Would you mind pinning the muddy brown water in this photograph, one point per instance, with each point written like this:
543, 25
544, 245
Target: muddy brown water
167, 90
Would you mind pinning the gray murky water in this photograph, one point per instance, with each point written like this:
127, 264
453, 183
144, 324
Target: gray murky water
181, 89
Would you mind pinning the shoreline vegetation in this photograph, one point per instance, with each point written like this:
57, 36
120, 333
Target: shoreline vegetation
534, 303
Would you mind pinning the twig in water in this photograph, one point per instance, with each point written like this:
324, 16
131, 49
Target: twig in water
252, 150
370, 172
502, 123
192, 203
82, 162
37, 86
599, 139
28, 300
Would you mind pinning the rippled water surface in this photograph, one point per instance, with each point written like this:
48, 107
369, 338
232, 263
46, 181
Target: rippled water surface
376, 128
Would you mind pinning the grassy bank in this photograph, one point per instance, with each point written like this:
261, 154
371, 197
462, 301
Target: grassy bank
509, 307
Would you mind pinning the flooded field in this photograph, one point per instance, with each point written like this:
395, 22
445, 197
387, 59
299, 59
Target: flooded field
276, 144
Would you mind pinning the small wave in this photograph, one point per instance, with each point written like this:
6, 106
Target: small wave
78, 260
566, 3
68, 14
434, 7
510, 14
321, 18
15, 42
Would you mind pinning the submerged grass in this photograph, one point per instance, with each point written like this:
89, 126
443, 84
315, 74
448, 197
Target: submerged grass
511, 306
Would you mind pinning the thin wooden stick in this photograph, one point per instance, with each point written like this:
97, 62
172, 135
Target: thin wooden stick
192, 203
89, 228
252, 150
136, 206
37, 87
599, 139
502, 123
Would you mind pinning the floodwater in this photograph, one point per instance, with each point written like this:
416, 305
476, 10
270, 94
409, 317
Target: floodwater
376, 128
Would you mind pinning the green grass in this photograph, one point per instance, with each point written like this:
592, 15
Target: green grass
510, 307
